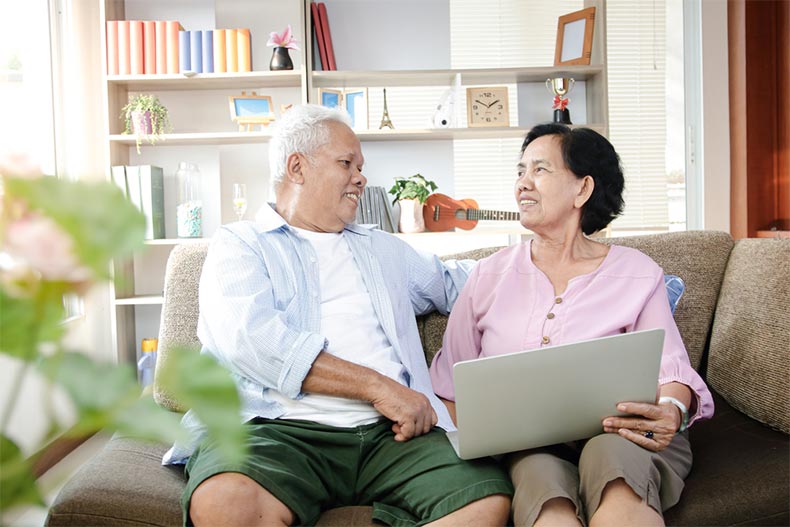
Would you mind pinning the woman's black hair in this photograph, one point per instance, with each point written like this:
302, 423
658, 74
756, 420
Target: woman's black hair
588, 153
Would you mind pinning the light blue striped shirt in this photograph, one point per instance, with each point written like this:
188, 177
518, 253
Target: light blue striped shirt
260, 312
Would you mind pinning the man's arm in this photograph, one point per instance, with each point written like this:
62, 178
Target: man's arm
410, 411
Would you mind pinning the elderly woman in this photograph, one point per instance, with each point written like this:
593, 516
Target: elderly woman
563, 287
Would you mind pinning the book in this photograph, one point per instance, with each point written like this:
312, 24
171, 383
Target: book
136, 59
244, 50
112, 47
152, 200
330, 53
196, 50
132, 175
171, 36
319, 35
149, 47
161, 46
184, 52
220, 58
208, 51
119, 179
124, 66
231, 50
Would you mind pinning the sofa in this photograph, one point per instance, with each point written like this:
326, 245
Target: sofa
734, 318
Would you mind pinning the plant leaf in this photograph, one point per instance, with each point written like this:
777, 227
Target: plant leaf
111, 227
203, 385
26, 321
17, 483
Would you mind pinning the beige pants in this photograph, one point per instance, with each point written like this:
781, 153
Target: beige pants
579, 471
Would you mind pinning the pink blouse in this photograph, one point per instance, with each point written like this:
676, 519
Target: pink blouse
508, 305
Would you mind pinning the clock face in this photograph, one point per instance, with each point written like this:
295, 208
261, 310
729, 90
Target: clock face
487, 106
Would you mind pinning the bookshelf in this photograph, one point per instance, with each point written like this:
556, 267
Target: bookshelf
204, 134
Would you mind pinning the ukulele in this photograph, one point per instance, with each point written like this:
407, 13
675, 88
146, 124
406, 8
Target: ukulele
443, 213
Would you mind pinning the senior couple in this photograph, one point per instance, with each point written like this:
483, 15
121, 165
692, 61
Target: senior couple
315, 318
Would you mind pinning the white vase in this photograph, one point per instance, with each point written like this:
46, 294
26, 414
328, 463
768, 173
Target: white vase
411, 216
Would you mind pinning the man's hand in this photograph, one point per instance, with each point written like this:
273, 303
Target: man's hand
409, 410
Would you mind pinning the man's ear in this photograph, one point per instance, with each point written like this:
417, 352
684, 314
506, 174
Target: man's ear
585, 191
294, 168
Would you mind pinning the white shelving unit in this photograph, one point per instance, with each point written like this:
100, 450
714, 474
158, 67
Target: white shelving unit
203, 132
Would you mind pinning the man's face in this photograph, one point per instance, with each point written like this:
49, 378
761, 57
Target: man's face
332, 184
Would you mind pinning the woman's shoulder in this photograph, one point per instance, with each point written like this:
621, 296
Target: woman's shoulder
512, 257
632, 261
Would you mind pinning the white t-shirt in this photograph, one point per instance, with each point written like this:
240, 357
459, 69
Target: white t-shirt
349, 322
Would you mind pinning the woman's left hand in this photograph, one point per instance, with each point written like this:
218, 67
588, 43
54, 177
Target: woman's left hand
650, 425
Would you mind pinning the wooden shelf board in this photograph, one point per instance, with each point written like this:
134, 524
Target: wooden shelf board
208, 81
348, 79
199, 138
140, 300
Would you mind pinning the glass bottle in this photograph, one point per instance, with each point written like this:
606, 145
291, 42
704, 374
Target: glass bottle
147, 362
189, 214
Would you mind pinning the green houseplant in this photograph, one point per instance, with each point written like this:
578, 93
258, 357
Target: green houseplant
146, 118
411, 193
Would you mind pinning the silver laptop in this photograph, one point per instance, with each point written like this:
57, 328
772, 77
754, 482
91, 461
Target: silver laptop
551, 395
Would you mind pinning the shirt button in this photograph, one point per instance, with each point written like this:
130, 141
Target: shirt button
550, 316
558, 300
546, 340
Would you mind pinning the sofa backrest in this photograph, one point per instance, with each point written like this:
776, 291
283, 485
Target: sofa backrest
749, 356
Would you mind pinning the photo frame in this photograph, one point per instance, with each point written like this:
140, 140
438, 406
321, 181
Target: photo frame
330, 98
249, 110
574, 38
355, 101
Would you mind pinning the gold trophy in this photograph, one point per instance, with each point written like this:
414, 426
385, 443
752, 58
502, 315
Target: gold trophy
560, 87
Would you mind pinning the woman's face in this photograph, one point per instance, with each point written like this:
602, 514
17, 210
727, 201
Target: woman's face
549, 196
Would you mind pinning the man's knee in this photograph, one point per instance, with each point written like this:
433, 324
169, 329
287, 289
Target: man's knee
234, 498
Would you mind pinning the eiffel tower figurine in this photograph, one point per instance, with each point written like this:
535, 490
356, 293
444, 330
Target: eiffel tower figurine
385, 119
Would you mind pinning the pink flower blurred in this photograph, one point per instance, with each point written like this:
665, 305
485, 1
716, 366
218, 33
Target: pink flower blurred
37, 241
19, 166
283, 40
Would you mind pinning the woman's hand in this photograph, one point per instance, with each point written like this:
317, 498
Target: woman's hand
650, 425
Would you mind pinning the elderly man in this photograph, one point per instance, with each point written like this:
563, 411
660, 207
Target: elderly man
315, 318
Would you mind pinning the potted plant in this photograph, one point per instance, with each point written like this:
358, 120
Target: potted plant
411, 193
282, 42
146, 118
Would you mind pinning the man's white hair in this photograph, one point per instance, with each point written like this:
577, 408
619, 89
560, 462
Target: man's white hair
301, 129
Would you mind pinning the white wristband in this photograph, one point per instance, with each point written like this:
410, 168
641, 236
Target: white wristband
684, 412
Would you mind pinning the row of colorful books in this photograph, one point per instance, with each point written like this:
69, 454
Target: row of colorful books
322, 35
215, 50
146, 47
144, 186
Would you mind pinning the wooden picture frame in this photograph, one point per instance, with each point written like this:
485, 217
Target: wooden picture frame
574, 38
250, 110
355, 101
330, 98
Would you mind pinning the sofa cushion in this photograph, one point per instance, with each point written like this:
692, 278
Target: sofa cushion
739, 475
125, 485
178, 325
749, 358
699, 258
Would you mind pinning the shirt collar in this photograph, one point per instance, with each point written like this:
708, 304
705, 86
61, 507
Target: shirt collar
269, 220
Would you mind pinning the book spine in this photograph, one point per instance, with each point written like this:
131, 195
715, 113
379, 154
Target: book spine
112, 47
231, 50
208, 51
184, 53
124, 61
220, 58
136, 47
149, 47
244, 48
171, 31
161, 46
133, 186
319, 34
196, 50
119, 178
152, 200
330, 52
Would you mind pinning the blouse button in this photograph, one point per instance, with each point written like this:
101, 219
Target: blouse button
558, 300
545, 340
550, 316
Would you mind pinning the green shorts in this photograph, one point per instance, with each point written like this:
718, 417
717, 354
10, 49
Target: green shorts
312, 467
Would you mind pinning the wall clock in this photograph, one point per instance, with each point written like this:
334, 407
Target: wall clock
487, 106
